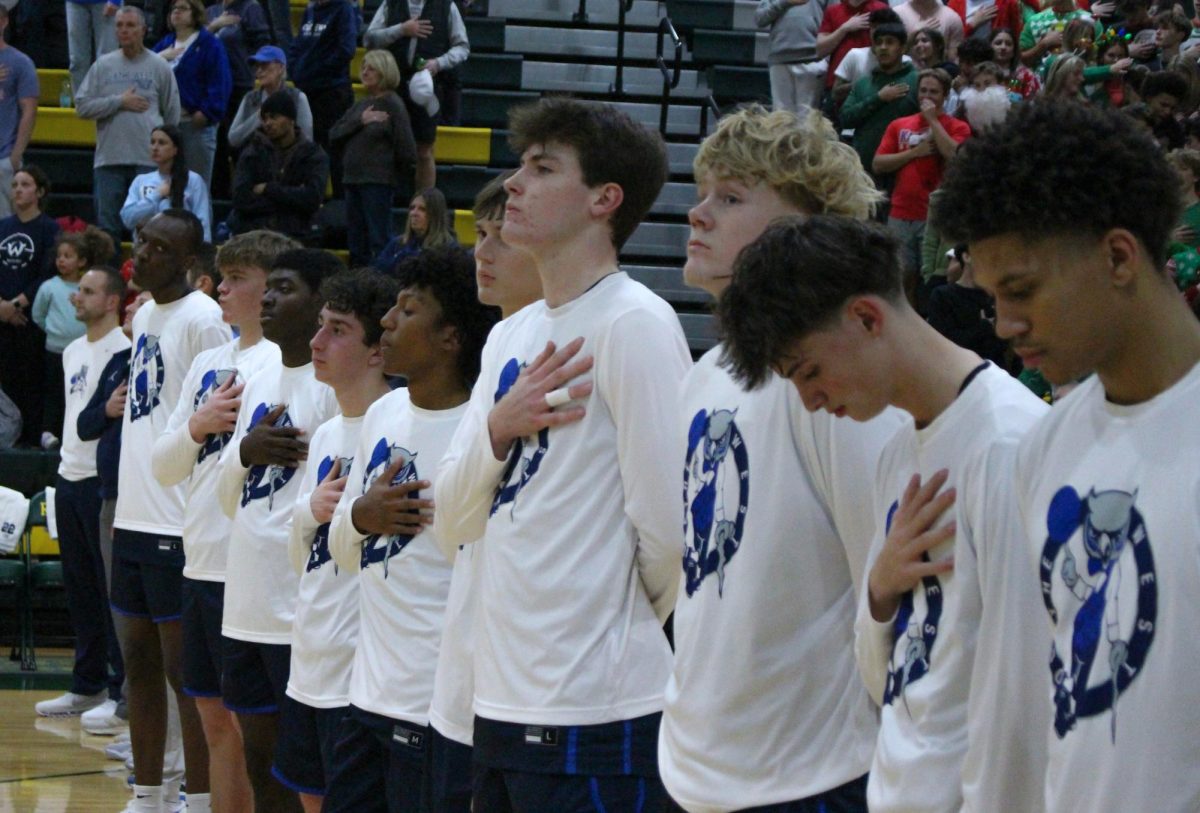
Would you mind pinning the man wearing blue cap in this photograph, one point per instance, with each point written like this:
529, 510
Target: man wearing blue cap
270, 71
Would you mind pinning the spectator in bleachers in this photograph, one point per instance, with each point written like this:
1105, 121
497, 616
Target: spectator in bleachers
982, 19
1164, 93
54, 312
26, 259
90, 35
965, 314
1172, 28
797, 73
919, 14
241, 26
1021, 80
18, 110
424, 35
428, 226
378, 152
320, 56
1043, 32
280, 178
171, 185
915, 149
1137, 21
202, 73
889, 92
128, 93
927, 48
279, 18
845, 25
971, 53
859, 62
1064, 80
270, 70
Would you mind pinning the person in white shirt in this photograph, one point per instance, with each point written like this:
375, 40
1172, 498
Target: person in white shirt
570, 656
772, 517
859, 62
98, 671
506, 278
842, 330
147, 570
187, 452
261, 468
347, 357
1106, 483
433, 336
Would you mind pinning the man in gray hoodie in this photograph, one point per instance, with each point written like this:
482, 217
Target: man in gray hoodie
797, 71
128, 92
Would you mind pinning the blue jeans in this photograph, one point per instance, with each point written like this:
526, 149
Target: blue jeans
110, 186
368, 220
90, 35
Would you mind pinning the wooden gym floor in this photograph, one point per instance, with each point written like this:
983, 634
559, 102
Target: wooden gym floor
49, 765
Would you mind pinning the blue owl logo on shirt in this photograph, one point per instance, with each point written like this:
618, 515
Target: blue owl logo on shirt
148, 375
264, 480
210, 382
525, 457
78, 381
716, 496
318, 553
1100, 588
914, 631
377, 548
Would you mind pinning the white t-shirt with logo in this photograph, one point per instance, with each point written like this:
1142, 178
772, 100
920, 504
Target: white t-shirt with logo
166, 339
177, 457
83, 362
404, 581
325, 629
1108, 499
917, 665
764, 704
260, 584
570, 628
452, 710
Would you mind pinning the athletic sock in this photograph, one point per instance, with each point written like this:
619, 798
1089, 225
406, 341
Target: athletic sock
147, 799
199, 803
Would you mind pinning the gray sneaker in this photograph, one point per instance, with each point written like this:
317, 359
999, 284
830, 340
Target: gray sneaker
70, 704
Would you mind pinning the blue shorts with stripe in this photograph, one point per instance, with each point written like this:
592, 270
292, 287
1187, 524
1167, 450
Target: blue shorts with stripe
568, 769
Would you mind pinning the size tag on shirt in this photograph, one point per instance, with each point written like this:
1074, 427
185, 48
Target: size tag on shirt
170, 545
408, 737
540, 735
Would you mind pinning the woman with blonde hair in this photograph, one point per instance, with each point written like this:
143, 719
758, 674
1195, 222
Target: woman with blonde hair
428, 226
1064, 80
376, 140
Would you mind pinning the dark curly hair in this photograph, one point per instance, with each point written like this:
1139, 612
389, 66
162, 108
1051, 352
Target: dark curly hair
794, 279
314, 265
1060, 168
365, 293
448, 274
611, 148
974, 51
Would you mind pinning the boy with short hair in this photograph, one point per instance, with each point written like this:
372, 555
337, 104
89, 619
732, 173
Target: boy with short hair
505, 278
888, 93
433, 336
348, 358
772, 517
571, 658
1106, 483
843, 331
261, 469
148, 561
187, 452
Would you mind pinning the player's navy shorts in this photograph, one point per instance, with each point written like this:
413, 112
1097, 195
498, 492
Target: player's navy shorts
378, 766
848, 798
203, 604
568, 769
304, 751
254, 676
448, 784
147, 576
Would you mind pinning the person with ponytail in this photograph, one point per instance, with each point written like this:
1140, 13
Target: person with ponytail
54, 312
171, 186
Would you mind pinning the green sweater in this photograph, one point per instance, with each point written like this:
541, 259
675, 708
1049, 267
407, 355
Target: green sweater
869, 116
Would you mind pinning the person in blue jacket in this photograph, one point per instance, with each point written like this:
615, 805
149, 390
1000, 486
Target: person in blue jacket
319, 64
204, 79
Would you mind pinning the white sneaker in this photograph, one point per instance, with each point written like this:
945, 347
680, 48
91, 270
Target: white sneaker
70, 704
120, 751
103, 719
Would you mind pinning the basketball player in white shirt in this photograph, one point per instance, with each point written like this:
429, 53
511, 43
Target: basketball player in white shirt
841, 328
570, 656
1106, 484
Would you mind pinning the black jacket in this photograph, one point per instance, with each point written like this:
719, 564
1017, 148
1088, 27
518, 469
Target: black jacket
295, 180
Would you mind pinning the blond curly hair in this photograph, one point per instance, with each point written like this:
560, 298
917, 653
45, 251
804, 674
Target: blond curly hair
801, 159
